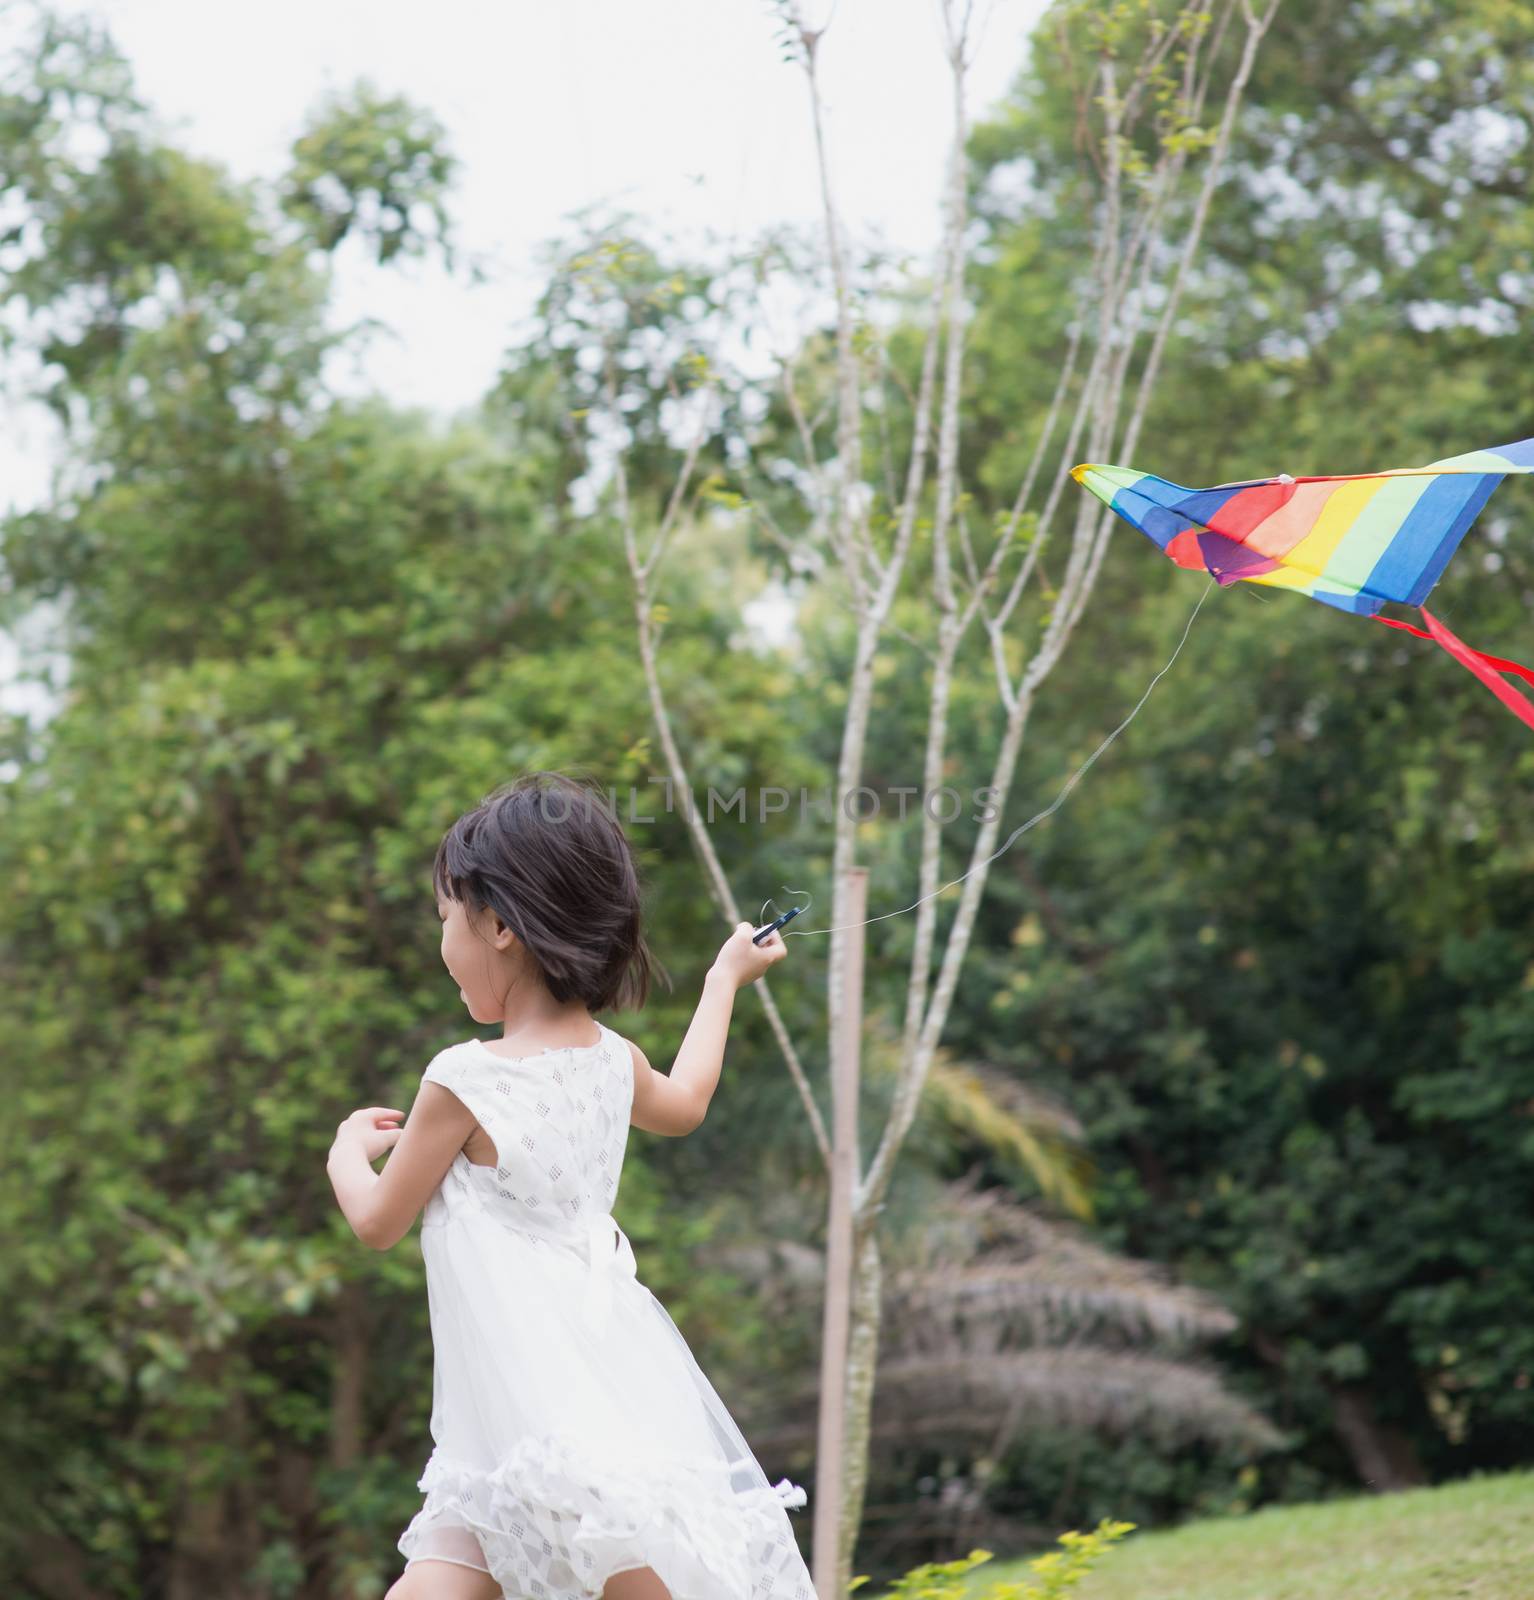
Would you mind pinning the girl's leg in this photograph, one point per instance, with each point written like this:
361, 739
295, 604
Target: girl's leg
443, 1580
447, 1580
638, 1583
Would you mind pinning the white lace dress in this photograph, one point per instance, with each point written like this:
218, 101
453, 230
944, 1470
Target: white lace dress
575, 1434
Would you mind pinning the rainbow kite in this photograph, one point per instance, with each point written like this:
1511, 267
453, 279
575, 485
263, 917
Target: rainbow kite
1353, 542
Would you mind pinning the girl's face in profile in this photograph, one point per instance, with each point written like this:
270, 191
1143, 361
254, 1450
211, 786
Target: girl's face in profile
471, 956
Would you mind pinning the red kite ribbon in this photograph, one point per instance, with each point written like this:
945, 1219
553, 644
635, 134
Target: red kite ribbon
1486, 668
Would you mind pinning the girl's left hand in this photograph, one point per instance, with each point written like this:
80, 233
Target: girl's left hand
375, 1128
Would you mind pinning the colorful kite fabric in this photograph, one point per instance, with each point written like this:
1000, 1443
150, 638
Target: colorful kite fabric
1353, 542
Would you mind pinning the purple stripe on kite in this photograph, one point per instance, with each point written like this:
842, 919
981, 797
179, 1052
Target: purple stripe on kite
1419, 540
1230, 561
1433, 570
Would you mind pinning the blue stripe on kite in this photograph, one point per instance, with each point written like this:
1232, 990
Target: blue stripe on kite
1361, 605
1520, 454
1418, 541
1433, 571
1199, 505
1159, 492
1154, 521
1162, 510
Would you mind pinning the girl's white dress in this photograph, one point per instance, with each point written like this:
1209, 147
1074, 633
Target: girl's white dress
575, 1434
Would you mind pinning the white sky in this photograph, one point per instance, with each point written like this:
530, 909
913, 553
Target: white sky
681, 111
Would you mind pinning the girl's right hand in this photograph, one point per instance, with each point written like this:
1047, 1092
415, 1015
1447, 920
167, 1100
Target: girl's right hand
742, 962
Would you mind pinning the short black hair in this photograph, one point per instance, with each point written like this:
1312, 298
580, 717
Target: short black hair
545, 853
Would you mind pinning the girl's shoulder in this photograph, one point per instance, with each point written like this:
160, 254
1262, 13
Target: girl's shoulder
451, 1062
475, 1054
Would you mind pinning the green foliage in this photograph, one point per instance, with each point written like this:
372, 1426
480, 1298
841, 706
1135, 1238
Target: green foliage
787, 30
1276, 953
1058, 1571
302, 637
373, 165
1283, 974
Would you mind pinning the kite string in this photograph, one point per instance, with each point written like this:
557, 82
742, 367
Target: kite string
1048, 811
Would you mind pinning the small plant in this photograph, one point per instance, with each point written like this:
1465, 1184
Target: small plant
1059, 1571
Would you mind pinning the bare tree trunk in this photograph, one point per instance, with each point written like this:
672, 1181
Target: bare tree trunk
1125, 98
641, 568
1101, 399
199, 1558
348, 1395
348, 1377
56, 1568
1383, 1456
197, 1561
862, 1363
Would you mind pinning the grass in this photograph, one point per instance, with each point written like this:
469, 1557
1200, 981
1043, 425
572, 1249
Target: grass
1470, 1540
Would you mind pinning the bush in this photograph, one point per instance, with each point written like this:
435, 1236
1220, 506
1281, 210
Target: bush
1059, 1571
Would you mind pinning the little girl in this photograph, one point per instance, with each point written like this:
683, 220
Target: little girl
580, 1452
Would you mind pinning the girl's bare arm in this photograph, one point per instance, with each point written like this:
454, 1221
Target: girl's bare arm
382, 1206
676, 1102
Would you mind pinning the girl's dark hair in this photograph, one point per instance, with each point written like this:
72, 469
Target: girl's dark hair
547, 856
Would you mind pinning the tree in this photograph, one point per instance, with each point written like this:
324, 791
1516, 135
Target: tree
1147, 78
300, 632
211, 931
1261, 1032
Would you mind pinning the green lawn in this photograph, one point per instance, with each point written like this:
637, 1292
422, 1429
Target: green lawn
1472, 1540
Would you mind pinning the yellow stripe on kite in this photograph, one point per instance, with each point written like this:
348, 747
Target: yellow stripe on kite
1313, 553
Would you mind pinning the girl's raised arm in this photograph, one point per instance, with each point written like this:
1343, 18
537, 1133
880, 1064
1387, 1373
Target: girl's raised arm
676, 1102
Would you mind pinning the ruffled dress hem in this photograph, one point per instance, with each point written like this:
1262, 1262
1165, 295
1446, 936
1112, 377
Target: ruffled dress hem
553, 1523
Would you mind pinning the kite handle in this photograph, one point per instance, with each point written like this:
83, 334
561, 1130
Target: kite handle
1486, 668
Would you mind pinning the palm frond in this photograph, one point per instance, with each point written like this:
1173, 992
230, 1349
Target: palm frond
985, 1271
1016, 1124
1084, 1388
977, 1405
1020, 1125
